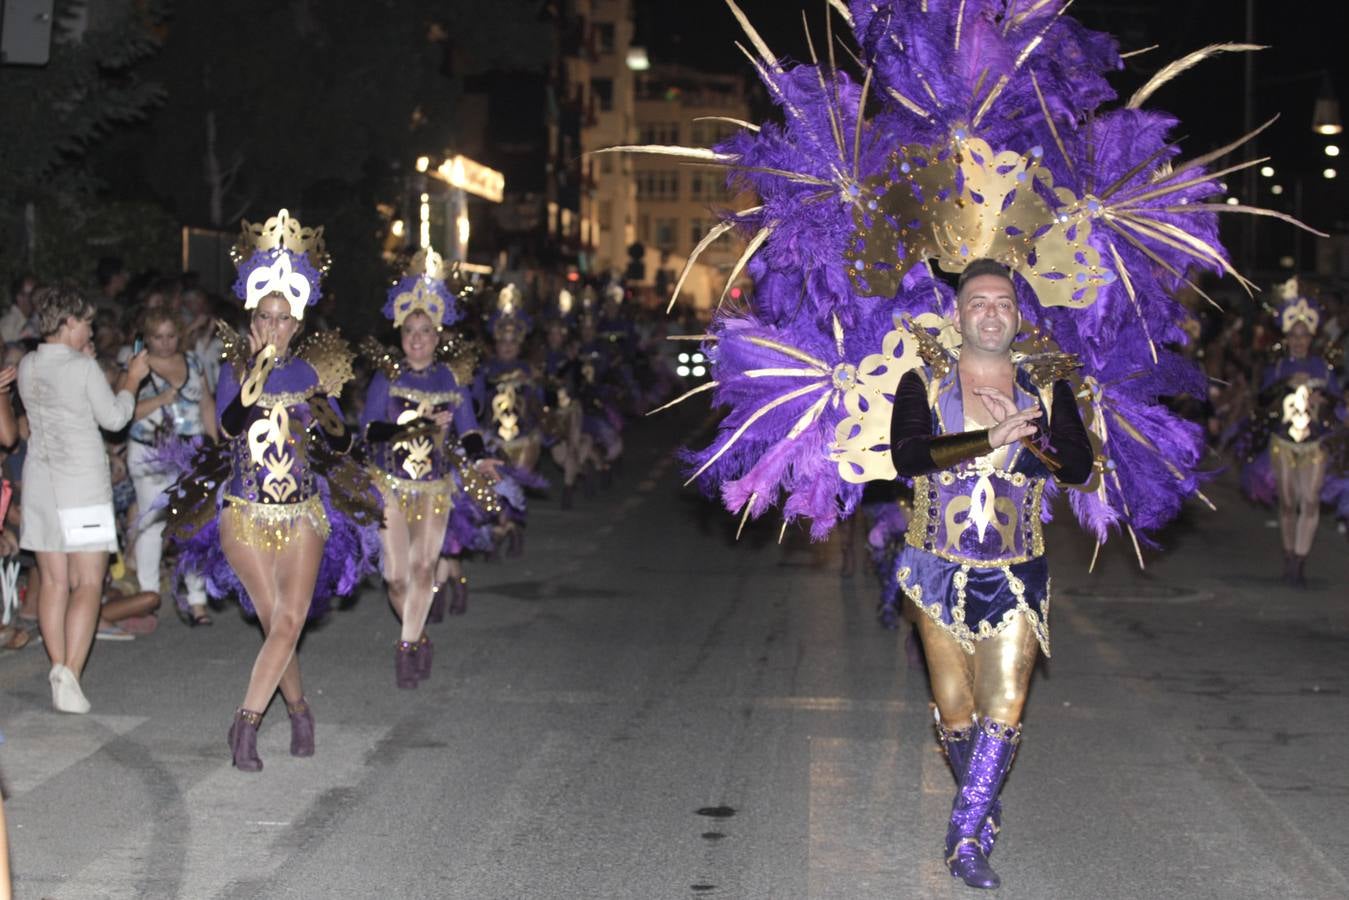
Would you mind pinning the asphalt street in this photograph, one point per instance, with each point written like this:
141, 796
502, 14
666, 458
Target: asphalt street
643, 707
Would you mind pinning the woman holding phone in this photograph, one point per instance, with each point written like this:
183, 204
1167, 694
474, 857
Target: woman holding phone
67, 511
174, 402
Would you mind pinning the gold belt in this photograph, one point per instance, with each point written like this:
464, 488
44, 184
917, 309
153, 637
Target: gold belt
270, 526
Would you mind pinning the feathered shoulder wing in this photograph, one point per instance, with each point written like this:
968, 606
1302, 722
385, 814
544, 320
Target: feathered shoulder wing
331, 357
382, 357
234, 346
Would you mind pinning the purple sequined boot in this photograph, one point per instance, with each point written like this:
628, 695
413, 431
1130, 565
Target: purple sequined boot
986, 766
243, 738
424, 654
405, 664
301, 728
459, 596
956, 745
438, 600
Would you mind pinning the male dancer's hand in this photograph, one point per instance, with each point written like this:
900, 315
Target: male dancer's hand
1010, 424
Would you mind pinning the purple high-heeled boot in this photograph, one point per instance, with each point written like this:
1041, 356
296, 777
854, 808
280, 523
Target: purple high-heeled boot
243, 738
459, 596
956, 745
405, 664
423, 656
438, 600
301, 728
990, 758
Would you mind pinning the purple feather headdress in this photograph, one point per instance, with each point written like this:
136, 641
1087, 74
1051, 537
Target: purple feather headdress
975, 128
280, 256
423, 289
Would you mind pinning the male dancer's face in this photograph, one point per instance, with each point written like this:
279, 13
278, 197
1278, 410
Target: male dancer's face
987, 315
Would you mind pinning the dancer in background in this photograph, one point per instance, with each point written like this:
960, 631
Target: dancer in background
278, 513
416, 416
1298, 407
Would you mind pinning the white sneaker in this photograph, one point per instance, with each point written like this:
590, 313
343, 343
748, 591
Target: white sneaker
66, 694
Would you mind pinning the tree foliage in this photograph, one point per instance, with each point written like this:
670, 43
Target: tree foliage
53, 115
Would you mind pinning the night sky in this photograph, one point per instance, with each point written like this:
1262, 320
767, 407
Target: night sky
1208, 99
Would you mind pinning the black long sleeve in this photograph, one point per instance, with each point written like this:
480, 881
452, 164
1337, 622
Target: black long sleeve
915, 450
234, 417
1068, 439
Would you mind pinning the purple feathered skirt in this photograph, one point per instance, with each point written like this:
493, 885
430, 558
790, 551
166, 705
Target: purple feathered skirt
975, 603
347, 506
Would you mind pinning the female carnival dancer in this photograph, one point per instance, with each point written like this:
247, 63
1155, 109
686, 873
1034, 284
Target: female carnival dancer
277, 513
977, 129
512, 402
1297, 409
413, 407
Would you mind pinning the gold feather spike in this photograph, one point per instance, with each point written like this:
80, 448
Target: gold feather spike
748, 126
716, 231
1171, 70
745, 517
1133, 297
824, 89
753, 247
764, 53
909, 104
700, 153
756, 416
1139, 52
844, 13
684, 396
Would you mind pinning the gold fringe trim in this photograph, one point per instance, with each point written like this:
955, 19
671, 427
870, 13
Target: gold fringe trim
270, 526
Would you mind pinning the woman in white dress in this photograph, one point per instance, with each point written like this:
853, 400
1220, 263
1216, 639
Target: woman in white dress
67, 503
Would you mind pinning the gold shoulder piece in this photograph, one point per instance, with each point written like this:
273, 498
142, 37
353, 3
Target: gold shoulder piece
461, 355
930, 349
331, 357
1040, 357
234, 346
1333, 355
1046, 368
386, 359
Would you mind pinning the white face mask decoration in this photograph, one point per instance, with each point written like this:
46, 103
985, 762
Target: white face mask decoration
279, 278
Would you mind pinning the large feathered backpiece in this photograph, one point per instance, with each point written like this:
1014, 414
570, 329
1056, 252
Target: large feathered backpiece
967, 129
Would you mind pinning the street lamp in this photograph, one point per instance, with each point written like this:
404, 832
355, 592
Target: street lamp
1326, 113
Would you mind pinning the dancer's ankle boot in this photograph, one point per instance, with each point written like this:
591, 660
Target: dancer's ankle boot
990, 757
1300, 570
405, 664
243, 739
459, 596
424, 654
956, 744
1289, 566
439, 598
301, 728
567, 492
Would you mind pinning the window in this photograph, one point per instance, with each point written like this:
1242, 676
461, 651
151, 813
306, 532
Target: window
698, 229
644, 227
607, 164
665, 233
659, 133
662, 184
604, 35
606, 212
602, 89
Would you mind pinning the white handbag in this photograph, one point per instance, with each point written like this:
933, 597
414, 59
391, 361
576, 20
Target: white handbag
85, 525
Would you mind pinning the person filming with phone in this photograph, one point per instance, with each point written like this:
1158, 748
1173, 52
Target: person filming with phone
67, 514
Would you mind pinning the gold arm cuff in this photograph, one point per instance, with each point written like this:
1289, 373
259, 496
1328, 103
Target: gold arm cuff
947, 450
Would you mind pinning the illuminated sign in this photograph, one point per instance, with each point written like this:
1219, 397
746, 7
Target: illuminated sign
475, 178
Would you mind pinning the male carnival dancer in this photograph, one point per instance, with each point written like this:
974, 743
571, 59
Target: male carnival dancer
973, 558
983, 128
